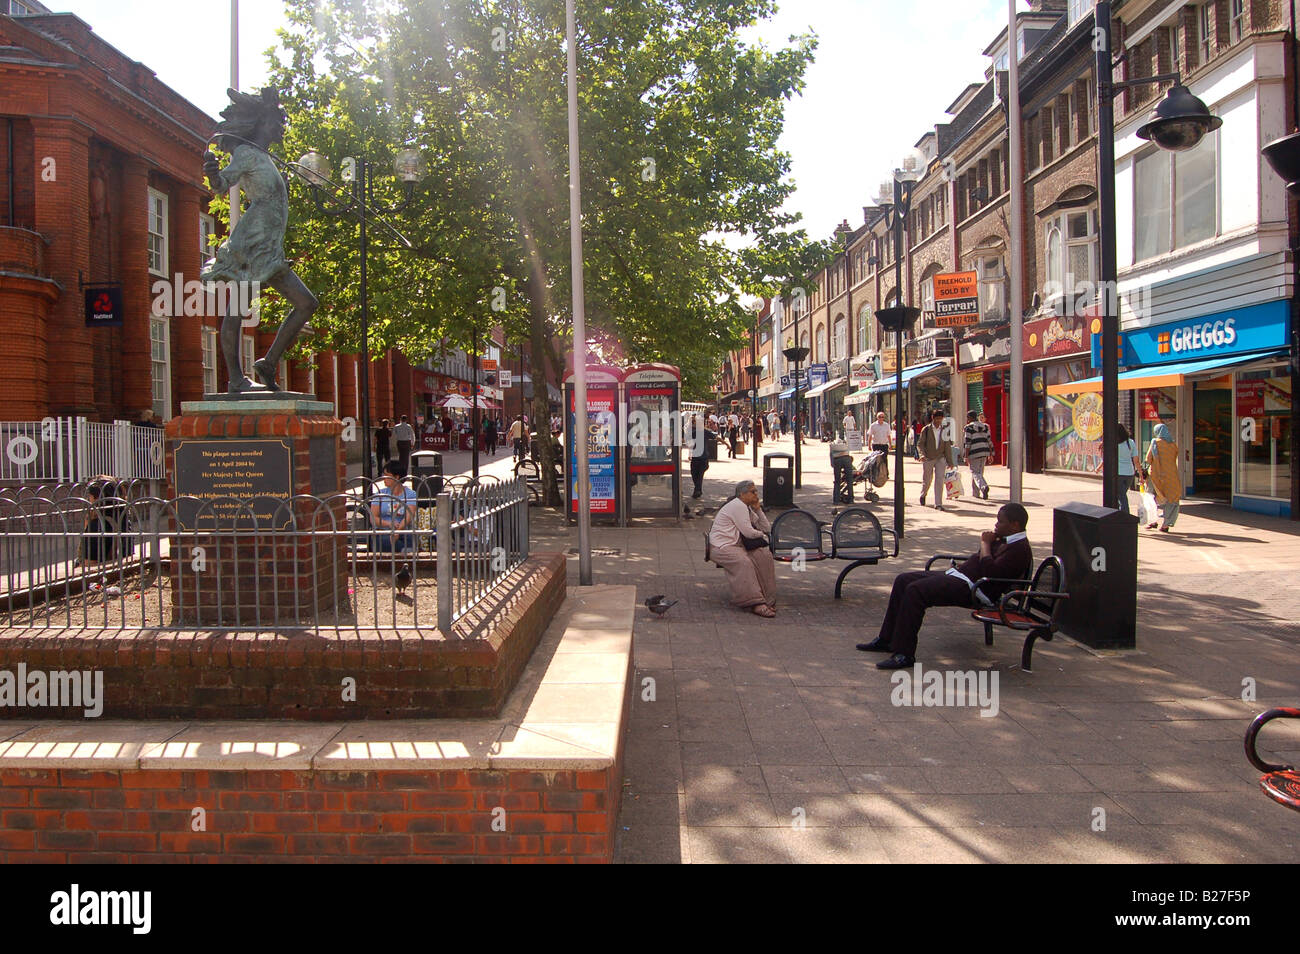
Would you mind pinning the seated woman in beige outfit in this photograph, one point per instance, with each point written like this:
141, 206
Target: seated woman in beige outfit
751, 573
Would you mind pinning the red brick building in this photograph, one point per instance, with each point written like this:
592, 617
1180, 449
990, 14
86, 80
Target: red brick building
101, 182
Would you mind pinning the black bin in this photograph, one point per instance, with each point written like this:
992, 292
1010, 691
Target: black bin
778, 480
711, 444
426, 473
1098, 548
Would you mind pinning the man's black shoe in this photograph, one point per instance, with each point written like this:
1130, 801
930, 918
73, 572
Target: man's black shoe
897, 661
922, 500
877, 645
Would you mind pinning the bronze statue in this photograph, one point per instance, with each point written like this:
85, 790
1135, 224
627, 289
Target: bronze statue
254, 251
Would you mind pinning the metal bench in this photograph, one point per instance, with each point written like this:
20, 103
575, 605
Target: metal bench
1032, 608
1279, 782
797, 535
857, 536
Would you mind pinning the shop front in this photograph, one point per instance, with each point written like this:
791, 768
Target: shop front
925, 386
985, 387
1064, 432
1221, 384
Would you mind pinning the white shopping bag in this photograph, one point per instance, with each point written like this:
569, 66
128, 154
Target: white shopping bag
952, 487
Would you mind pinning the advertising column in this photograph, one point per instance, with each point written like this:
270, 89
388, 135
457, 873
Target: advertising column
600, 428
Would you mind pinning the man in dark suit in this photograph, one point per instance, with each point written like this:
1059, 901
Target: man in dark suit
1004, 554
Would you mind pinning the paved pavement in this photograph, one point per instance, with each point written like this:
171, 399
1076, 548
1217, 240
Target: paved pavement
774, 740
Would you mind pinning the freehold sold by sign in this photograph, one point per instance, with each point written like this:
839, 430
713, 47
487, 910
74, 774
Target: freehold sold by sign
956, 299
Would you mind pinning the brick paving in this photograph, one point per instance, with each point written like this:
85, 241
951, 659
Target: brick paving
775, 740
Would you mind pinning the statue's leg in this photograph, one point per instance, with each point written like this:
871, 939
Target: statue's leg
304, 306
231, 327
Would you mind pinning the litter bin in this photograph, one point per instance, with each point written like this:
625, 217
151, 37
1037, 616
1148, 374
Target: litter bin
426, 469
1098, 548
778, 480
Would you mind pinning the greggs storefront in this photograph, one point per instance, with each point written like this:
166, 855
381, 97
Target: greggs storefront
1221, 384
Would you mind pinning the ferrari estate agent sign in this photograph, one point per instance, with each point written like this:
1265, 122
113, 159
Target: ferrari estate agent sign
956, 299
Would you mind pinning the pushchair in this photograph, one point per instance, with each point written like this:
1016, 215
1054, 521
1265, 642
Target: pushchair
874, 472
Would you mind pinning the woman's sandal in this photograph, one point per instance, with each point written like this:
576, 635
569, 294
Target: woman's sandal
765, 611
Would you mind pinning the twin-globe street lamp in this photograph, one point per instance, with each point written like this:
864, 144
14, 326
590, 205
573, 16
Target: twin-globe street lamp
358, 201
898, 316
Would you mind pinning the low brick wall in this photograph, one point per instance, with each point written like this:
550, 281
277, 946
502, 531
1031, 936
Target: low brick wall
399, 674
132, 817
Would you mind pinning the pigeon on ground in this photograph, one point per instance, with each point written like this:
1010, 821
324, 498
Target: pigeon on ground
659, 604
402, 579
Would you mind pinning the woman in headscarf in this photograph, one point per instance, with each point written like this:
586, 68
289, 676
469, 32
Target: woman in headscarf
751, 573
1164, 475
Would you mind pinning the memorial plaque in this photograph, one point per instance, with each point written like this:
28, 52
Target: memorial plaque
234, 477
324, 462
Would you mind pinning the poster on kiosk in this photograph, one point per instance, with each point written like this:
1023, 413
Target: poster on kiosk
651, 407
600, 428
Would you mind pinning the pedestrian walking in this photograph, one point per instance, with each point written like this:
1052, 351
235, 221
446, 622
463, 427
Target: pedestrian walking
977, 448
490, 436
758, 430
516, 437
404, 435
785, 423
935, 452
1129, 465
698, 435
879, 434
1165, 476
383, 445
733, 431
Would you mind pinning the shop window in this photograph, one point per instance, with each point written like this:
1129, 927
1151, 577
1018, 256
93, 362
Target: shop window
1264, 462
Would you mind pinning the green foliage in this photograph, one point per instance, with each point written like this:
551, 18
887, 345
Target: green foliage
681, 175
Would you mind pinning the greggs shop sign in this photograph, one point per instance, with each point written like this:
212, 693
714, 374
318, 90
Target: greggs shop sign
1240, 331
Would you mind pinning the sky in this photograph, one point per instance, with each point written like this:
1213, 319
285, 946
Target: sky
885, 70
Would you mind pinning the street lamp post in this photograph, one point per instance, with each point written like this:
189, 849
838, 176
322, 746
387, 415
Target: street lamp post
315, 170
797, 354
1179, 122
894, 319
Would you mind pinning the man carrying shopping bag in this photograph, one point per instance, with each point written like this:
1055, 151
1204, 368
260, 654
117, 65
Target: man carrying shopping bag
936, 452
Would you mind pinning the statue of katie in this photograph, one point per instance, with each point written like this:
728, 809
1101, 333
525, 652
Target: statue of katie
254, 252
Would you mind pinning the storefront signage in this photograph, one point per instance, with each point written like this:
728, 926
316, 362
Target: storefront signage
888, 362
817, 375
863, 376
1059, 336
932, 349
1240, 331
103, 306
956, 299
1250, 398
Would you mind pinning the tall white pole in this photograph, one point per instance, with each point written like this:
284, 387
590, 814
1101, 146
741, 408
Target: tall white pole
234, 84
1015, 266
579, 313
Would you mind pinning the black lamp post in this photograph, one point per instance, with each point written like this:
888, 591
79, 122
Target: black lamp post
895, 319
359, 201
754, 370
1284, 156
797, 354
1179, 122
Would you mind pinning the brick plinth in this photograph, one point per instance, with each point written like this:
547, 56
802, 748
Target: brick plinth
299, 674
82, 816
263, 576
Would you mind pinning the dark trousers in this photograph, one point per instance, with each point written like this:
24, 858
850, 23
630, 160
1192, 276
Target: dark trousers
698, 466
912, 595
735, 436
404, 456
519, 448
383, 454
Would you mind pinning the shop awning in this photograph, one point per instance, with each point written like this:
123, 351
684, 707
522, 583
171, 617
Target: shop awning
785, 395
1162, 375
859, 397
828, 386
909, 375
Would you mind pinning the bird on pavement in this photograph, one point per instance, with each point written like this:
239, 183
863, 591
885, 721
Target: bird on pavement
659, 604
402, 579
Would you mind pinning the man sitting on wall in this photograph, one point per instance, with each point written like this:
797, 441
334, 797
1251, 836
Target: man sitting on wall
1004, 555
